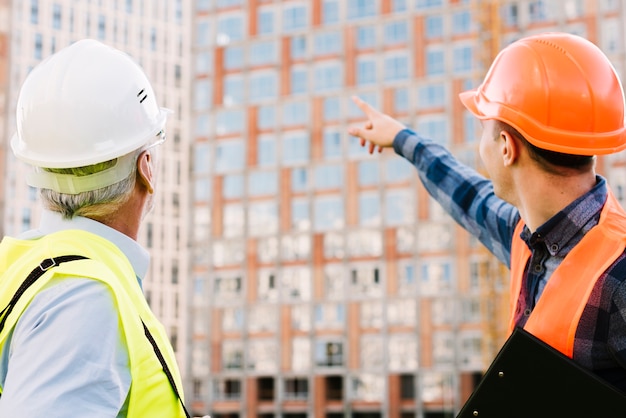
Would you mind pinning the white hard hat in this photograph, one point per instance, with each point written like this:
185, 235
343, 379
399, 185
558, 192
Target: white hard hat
86, 104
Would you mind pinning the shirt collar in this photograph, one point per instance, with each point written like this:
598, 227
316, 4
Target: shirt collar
559, 230
50, 222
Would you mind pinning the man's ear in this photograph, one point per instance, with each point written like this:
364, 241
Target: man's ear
509, 148
144, 171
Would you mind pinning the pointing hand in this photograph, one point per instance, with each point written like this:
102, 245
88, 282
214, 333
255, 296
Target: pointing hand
379, 130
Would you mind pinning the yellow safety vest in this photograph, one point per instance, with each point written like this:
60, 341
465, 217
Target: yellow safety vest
151, 394
557, 314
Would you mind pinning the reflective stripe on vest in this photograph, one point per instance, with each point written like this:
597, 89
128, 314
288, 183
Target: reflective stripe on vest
150, 393
556, 315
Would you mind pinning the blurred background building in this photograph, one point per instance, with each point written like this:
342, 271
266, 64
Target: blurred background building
297, 275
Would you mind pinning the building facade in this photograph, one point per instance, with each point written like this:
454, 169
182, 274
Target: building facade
297, 275
326, 282
156, 34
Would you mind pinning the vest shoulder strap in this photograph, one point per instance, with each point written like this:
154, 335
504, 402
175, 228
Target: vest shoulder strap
49, 263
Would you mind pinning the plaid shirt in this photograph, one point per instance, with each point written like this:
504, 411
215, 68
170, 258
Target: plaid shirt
600, 343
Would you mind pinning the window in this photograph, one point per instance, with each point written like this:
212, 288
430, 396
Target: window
232, 355
436, 277
371, 314
266, 151
34, 11
329, 353
437, 387
368, 173
431, 95
229, 122
471, 127
263, 53
222, 4
296, 247
396, 33
294, 17
56, 16
263, 86
300, 214
401, 100
330, 11
229, 253
365, 281
434, 127
262, 183
38, 48
434, 26
227, 287
358, 9
296, 113
327, 43
426, 4
232, 319
296, 388
328, 213
262, 218
267, 286
328, 176
298, 47
332, 108
396, 67
299, 179
266, 117
299, 80
295, 284
443, 348
372, 352
461, 22
330, 316
265, 21
538, 11
202, 94
366, 70
227, 389
300, 355
402, 352
229, 156
233, 220
332, 144
399, 207
262, 318
233, 186
229, 28
435, 63
202, 158
365, 37
369, 209
368, 387
234, 88
402, 312
328, 76
301, 321
262, 357
233, 57
295, 148
399, 5
462, 59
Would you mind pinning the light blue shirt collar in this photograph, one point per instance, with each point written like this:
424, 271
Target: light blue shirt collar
53, 222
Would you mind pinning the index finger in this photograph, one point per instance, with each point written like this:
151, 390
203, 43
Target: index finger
365, 107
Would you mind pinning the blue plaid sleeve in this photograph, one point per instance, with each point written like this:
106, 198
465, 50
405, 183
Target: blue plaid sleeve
465, 194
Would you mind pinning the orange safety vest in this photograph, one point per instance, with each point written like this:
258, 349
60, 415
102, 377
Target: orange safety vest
556, 316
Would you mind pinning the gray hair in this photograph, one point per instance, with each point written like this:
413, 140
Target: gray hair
97, 204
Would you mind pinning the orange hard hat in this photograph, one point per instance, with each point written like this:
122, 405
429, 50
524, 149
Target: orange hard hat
558, 90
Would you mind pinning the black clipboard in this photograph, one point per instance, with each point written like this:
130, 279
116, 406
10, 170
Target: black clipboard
528, 378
